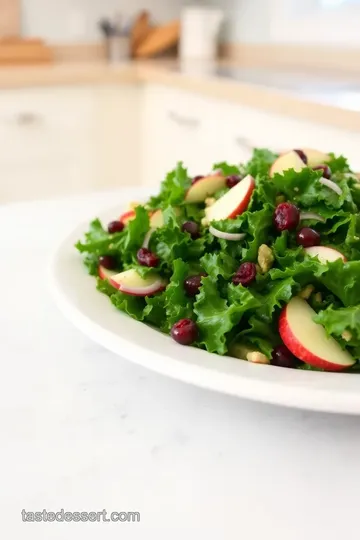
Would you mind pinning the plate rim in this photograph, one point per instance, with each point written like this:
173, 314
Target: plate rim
316, 391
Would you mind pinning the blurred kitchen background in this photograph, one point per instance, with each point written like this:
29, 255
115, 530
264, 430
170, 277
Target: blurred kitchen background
100, 94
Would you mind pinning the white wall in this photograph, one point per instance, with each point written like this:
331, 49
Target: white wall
61, 21
290, 21
246, 20
313, 22
253, 21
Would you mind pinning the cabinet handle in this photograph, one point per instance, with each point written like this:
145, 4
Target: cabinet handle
184, 120
28, 119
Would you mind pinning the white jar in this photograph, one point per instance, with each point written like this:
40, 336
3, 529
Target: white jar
200, 27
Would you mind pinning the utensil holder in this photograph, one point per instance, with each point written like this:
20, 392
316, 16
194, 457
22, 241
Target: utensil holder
118, 48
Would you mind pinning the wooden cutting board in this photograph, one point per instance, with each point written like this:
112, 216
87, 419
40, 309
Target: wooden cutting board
140, 30
10, 18
159, 40
14, 51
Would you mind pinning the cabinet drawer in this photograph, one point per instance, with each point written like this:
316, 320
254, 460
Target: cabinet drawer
59, 106
173, 130
43, 124
184, 108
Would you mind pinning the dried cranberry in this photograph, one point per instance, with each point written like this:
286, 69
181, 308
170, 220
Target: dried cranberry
115, 226
197, 178
192, 284
232, 180
107, 262
308, 237
245, 274
184, 332
146, 257
326, 171
192, 228
286, 217
282, 357
301, 155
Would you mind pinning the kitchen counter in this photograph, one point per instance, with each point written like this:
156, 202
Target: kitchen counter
84, 430
323, 99
319, 88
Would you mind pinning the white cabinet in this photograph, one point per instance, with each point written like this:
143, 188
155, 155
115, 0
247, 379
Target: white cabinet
182, 126
174, 128
229, 138
45, 140
65, 140
200, 131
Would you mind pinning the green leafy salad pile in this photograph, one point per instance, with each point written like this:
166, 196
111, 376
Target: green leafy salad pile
230, 316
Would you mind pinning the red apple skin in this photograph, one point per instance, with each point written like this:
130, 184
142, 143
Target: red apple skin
101, 273
132, 292
245, 202
160, 289
241, 205
301, 352
105, 274
115, 284
127, 216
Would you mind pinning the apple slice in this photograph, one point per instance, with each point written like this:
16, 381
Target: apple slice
325, 254
127, 216
156, 219
291, 160
315, 157
129, 282
234, 202
308, 341
104, 273
201, 189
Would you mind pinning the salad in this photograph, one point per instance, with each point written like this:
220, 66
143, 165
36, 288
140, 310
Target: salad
260, 261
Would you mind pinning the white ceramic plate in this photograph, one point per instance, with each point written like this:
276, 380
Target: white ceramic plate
76, 295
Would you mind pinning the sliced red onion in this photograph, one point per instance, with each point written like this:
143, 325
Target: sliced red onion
147, 237
225, 235
311, 215
331, 185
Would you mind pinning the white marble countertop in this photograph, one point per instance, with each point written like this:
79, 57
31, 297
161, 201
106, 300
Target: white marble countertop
83, 430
